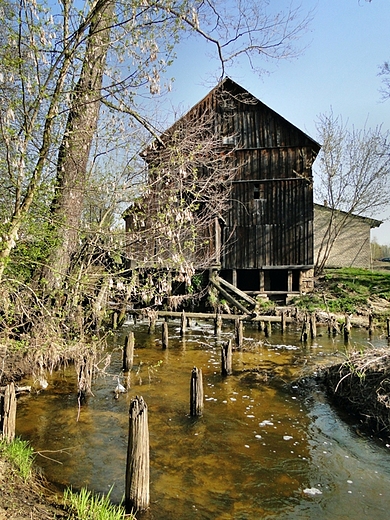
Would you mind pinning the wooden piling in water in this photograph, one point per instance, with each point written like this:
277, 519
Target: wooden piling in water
370, 323
313, 325
85, 374
8, 413
283, 322
183, 323
347, 327
239, 335
137, 465
152, 324
196, 392
128, 352
304, 334
217, 324
388, 328
226, 358
164, 335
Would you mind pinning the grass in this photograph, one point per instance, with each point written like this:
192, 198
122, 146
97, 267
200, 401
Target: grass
87, 506
20, 454
346, 290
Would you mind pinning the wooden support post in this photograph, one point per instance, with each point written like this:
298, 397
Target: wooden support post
196, 393
217, 324
152, 324
304, 330
347, 327
128, 352
238, 327
388, 328
85, 374
114, 320
189, 322
283, 322
165, 335
226, 358
267, 328
260, 326
370, 323
183, 323
8, 413
313, 325
137, 465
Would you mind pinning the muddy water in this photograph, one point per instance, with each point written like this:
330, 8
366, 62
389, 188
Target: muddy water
261, 449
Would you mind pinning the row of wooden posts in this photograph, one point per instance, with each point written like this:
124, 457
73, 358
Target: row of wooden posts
137, 465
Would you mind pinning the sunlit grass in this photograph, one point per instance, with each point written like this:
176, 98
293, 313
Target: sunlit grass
85, 505
20, 454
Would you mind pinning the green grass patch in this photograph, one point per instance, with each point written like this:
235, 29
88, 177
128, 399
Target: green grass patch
346, 290
85, 505
20, 454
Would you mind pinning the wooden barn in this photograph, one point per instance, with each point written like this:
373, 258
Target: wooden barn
261, 239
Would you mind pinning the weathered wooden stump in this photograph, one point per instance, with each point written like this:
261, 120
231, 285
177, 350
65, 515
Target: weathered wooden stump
152, 324
283, 322
196, 393
388, 328
164, 335
114, 323
226, 358
267, 329
8, 413
304, 334
217, 324
370, 323
137, 464
183, 323
85, 374
239, 335
313, 325
128, 352
347, 327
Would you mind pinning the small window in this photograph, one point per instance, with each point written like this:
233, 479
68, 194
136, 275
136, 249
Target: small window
258, 191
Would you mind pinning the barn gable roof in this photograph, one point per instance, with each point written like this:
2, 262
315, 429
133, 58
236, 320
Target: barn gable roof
274, 130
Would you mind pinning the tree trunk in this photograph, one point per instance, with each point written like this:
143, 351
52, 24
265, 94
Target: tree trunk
73, 155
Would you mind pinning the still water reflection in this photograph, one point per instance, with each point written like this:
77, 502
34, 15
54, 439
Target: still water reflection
261, 450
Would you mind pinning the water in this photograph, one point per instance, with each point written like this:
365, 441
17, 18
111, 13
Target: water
261, 450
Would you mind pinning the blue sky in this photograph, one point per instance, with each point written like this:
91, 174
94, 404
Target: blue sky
346, 43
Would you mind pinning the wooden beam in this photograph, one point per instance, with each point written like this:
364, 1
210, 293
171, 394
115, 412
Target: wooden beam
237, 291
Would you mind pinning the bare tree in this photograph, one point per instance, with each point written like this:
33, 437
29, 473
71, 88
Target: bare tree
352, 176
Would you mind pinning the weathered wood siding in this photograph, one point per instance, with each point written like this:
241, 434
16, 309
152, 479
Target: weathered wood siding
270, 218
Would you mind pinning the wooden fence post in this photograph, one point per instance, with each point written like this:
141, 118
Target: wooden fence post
267, 328
165, 335
183, 323
152, 324
370, 323
283, 322
313, 325
238, 333
304, 329
128, 352
196, 393
137, 464
85, 374
217, 324
226, 358
388, 328
347, 327
8, 413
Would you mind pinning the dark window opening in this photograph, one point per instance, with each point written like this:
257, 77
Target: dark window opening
258, 191
248, 279
276, 280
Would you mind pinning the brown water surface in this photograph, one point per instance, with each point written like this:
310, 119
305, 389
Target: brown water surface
262, 449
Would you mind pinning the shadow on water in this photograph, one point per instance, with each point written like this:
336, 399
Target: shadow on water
261, 449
